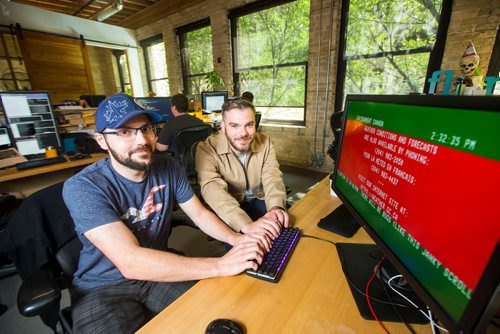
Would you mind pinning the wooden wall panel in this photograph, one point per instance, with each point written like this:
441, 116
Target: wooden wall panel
57, 65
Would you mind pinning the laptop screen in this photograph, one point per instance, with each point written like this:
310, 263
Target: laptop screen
30, 118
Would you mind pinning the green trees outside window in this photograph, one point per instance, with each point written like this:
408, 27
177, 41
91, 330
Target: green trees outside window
388, 45
196, 57
271, 51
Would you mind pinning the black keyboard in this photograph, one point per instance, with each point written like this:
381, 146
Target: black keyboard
40, 162
275, 260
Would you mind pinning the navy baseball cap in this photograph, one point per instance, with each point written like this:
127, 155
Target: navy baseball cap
118, 109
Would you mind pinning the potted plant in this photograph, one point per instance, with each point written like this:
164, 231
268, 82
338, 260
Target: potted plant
214, 81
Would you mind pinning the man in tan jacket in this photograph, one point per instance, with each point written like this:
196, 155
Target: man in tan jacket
239, 175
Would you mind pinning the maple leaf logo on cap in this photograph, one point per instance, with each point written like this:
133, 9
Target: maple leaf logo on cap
115, 110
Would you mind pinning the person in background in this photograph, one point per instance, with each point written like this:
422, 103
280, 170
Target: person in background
126, 274
181, 120
247, 96
239, 175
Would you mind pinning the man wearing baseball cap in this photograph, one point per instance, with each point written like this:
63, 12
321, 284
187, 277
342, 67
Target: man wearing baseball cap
122, 208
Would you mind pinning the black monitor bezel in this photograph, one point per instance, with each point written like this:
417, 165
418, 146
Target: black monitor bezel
486, 298
25, 92
204, 95
163, 114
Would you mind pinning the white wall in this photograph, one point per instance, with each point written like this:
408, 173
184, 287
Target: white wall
42, 20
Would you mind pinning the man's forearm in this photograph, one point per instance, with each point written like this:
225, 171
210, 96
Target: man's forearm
155, 265
209, 223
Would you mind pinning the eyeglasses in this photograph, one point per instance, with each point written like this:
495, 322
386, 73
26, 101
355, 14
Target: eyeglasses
131, 133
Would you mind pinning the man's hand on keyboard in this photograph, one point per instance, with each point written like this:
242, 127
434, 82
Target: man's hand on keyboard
264, 225
279, 214
242, 256
261, 238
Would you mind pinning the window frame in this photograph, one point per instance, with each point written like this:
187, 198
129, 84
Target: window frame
145, 43
181, 35
435, 57
121, 76
10, 58
233, 17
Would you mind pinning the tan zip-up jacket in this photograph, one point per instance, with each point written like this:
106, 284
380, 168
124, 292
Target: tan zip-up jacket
223, 180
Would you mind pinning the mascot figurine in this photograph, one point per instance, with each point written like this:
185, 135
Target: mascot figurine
469, 66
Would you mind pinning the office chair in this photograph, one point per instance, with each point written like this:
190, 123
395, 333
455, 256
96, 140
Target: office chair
40, 239
336, 120
186, 141
258, 116
8, 205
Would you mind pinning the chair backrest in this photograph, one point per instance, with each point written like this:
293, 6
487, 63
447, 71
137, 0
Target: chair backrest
186, 141
258, 116
39, 230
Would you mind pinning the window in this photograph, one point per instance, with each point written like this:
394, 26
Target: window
13, 74
389, 47
270, 53
196, 56
156, 65
123, 73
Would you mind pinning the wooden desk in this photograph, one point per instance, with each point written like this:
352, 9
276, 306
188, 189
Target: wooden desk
312, 296
30, 180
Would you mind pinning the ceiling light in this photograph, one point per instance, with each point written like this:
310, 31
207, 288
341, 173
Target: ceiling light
114, 7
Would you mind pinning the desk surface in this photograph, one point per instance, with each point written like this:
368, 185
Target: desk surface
312, 296
12, 173
28, 181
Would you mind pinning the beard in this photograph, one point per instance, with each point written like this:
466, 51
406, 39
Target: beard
240, 147
129, 162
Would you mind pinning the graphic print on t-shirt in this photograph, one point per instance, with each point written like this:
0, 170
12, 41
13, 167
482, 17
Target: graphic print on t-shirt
148, 208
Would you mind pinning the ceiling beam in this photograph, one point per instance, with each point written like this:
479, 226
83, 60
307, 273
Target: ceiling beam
156, 12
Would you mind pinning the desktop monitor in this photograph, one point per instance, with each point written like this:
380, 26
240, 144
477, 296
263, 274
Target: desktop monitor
93, 100
31, 121
212, 101
160, 104
421, 176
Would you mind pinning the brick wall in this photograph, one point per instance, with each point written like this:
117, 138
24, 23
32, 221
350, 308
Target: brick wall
297, 145
476, 21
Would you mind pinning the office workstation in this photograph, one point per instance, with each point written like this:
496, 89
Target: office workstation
392, 182
213, 52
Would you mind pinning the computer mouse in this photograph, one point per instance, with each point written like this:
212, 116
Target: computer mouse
224, 326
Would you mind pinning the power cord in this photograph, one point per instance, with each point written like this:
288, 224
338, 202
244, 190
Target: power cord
433, 323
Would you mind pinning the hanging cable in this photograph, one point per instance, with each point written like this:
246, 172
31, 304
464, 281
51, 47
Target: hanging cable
368, 296
314, 156
408, 299
327, 84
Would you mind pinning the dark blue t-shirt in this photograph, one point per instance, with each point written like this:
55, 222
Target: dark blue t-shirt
98, 195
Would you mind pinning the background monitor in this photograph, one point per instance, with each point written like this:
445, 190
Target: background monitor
212, 101
30, 117
160, 104
5, 141
421, 175
93, 100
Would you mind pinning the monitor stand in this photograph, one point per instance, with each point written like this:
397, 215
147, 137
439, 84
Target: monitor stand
359, 262
340, 221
